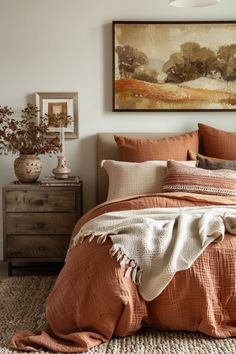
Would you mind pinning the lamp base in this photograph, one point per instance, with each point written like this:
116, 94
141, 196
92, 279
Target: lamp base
61, 171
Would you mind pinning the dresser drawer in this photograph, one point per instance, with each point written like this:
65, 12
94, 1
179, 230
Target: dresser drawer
37, 247
40, 223
40, 201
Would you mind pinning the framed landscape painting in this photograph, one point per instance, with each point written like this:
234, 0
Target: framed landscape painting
174, 66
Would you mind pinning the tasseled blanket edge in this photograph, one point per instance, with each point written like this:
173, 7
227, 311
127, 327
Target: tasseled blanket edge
133, 271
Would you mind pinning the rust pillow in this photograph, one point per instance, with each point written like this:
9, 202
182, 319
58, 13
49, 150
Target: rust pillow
182, 178
174, 148
217, 143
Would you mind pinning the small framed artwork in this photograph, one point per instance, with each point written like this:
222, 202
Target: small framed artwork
174, 66
54, 104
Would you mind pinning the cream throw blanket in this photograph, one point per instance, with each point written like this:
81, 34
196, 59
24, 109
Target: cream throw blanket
156, 243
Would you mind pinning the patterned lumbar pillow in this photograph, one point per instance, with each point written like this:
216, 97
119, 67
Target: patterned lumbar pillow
182, 178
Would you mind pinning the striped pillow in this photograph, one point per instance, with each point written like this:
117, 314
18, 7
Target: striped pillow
181, 178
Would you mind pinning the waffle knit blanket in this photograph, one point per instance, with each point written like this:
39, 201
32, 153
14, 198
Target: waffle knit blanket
156, 243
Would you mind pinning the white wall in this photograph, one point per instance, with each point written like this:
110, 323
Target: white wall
66, 45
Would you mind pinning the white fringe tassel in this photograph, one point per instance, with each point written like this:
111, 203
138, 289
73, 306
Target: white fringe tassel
133, 271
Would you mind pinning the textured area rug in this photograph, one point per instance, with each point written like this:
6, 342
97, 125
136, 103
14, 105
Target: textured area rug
22, 301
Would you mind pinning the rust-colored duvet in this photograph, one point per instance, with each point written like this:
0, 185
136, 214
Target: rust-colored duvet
92, 300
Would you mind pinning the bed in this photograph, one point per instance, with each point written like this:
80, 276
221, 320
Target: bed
92, 299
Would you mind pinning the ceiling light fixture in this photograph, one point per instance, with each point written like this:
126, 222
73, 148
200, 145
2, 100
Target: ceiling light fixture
192, 3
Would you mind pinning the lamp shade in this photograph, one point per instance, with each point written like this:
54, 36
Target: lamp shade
192, 3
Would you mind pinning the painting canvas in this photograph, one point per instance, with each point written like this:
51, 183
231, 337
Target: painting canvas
174, 66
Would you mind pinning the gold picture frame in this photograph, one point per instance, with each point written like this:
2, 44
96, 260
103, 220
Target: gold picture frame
60, 102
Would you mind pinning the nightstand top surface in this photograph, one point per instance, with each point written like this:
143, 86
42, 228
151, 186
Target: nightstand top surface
37, 185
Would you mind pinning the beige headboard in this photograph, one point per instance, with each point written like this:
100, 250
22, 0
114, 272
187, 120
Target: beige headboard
107, 150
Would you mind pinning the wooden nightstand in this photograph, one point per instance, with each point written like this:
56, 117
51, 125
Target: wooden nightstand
38, 221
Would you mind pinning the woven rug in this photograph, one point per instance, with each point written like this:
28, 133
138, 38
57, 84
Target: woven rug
22, 301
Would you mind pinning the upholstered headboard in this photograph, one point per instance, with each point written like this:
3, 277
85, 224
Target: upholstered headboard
107, 150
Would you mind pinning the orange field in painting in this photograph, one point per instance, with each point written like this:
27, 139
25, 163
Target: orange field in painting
138, 94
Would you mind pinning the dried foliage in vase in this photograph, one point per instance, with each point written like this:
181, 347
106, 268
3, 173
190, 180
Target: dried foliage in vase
23, 135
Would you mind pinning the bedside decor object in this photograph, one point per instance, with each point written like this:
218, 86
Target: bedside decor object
61, 171
27, 168
25, 137
60, 119
192, 3
52, 181
174, 66
56, 104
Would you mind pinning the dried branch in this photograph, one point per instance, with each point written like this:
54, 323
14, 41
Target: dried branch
24, 136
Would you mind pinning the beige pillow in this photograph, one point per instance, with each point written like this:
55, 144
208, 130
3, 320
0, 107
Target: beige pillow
132, 178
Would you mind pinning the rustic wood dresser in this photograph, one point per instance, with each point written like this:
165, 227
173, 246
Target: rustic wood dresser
37, 222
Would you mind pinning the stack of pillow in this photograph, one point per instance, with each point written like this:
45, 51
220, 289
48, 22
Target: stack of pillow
143, 166
218, 147
154, 166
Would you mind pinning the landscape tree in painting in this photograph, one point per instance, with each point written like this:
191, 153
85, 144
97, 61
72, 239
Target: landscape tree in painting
185, 67
132, 63
226, 62
193, 77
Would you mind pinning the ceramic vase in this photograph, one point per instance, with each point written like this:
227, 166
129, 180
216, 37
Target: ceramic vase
27, 168
61, 171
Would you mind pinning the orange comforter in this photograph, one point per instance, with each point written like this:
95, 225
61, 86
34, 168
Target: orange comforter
91, 300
